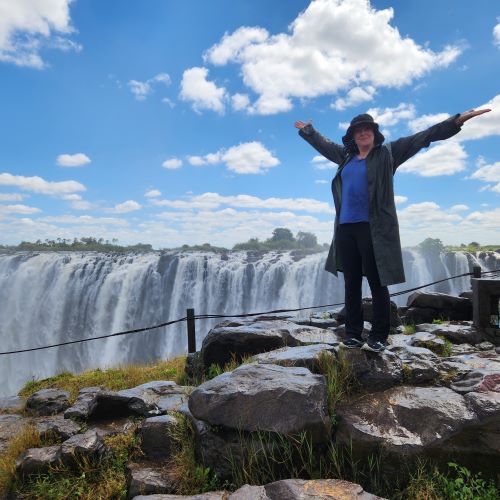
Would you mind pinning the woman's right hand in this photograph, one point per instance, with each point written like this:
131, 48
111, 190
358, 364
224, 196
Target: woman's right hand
299, 124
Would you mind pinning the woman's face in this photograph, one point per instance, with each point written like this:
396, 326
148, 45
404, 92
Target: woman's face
364, 136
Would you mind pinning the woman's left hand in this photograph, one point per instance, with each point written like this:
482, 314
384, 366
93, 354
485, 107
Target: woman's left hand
470, 114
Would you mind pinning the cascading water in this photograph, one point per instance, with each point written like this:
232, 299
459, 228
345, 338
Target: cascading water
52, 297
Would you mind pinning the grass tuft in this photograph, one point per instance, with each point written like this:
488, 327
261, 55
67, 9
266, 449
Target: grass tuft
114, 379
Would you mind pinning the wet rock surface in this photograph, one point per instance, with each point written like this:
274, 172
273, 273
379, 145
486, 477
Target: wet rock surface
265, 397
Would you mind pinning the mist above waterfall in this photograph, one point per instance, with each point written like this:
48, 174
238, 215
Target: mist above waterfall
52, 297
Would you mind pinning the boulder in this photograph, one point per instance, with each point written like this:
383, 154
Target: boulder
480, 380
155, 435
305, 356
47, 402
147, 479
373, 371
265, 397
57, 426
223, 342
445, 306
105, 428
82, 446
461, 333
38, 460
211, 495
10, 425
403, 420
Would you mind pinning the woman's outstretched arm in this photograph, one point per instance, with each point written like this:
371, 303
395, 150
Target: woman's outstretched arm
406, 147
330, 150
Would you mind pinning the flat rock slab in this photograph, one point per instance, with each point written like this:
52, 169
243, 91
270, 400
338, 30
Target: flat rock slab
458, 333
38, 460
147, 479
404, 420
47, 402
56, 426
265, 398
305, 356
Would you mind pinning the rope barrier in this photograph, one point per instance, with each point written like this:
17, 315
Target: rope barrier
220, 316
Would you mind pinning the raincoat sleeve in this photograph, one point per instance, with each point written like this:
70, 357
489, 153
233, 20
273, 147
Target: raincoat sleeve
330, 150
406, 147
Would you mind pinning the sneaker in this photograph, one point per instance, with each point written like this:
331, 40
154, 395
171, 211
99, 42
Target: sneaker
373, 346
351, 343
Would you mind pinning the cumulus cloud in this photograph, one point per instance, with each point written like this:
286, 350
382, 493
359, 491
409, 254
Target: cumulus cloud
126, 206
245, 158
200, 92
400, 199
74, 160
496, 34
38, 185
240, 102
459, 208
321, 163
484, 125
153, 193
26, 27
172, 163
12, 196
388, 117
18, 209
324, 53
142, 89
83, 219
445, 158
355, 96
425, 121
488, 173
215, 200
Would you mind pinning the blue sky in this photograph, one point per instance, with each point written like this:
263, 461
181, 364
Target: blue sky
171, 122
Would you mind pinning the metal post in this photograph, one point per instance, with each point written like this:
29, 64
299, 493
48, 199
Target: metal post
191, 331
476, 271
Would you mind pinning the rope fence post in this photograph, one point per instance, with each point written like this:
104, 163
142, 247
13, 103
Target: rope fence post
191, 331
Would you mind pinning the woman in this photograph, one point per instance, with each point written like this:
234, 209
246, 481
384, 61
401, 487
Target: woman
366, 233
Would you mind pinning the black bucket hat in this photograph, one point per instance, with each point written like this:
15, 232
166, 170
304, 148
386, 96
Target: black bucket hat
364, 119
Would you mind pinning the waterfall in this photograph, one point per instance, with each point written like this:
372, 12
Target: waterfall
52, 297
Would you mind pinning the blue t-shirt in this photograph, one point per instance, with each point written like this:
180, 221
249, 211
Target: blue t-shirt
355, 197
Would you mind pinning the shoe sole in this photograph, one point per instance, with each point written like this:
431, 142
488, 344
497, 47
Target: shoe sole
366, 347
351, 346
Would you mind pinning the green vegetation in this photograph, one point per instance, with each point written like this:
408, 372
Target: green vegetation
283, 239
78, 245
457, 483
114, 379
410, 329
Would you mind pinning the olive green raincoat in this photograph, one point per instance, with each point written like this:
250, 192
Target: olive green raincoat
381, 164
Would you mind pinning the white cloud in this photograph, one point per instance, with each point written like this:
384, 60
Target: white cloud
72, 197
321, 181
326, 52
153, 193
126, 206
75, 160
486, 220
488, 173
400, 199
425, 121
446, 158
83, 219
321, 163
355, 96
249, 158
391, 116
142, 89
202, 93
82, 205
12, 196
496, 34
39, 185
27, 26
240, 102
172, 163
459, 208
18, 209
246, 158
215, 200
484, 125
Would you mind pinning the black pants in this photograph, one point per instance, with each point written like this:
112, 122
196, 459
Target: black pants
354, 244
